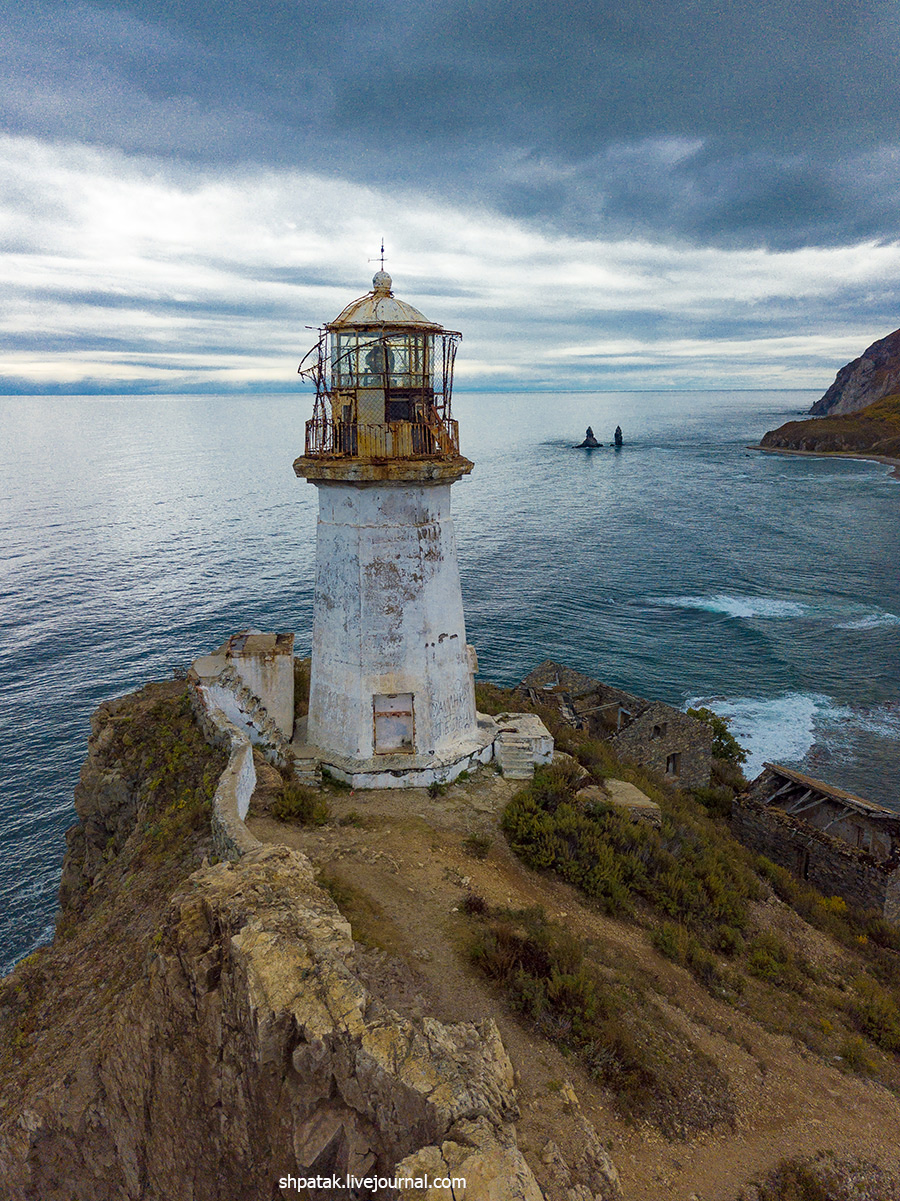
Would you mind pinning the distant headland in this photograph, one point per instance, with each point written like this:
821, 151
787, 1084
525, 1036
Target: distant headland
871, 433
874, 375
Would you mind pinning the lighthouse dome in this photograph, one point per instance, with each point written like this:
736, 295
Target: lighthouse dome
381, 307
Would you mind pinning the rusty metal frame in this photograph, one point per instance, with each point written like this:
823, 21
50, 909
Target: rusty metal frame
435, 437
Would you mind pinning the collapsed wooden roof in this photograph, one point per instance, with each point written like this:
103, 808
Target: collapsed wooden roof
816, 791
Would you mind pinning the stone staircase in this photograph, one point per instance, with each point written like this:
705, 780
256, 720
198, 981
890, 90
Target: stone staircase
515, 754
256, 712
308, 771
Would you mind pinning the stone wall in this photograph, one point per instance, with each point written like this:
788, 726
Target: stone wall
679, 734
829, 864
892, 898
646, 732
231, 838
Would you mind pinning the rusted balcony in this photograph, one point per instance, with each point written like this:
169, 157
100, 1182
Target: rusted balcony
327, 439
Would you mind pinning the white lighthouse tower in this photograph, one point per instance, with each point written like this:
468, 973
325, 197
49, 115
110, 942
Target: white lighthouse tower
392, 699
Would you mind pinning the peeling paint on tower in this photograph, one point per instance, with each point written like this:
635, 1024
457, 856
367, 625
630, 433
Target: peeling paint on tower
392, 696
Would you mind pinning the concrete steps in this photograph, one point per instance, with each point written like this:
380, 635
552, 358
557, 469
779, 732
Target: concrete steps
308, 771
255, 711
515, 755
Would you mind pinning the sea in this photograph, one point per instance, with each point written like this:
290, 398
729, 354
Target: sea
139, 532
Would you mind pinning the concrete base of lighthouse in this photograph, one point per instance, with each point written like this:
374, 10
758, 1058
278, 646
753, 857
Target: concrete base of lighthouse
392, 698
402, 771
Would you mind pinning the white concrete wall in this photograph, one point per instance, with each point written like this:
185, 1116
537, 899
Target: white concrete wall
388, 617
270, 677
231, 801
225, 700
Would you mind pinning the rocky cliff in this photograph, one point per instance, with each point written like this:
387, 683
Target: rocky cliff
874, 430
876, 373
202, 1030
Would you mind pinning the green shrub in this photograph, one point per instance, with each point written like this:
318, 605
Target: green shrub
724, 744
716, 801
729, 941
877, 1013
856, 1054
681, 870
769, 958
671, 940
353, 818
865, 932
474, 904
825, 1177
477, 845
297, 803
555, 784
491, 699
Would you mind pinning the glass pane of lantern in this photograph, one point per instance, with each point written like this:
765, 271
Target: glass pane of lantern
372, 363
343, 359
398, 361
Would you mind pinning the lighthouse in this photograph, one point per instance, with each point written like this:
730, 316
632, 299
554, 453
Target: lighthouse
392, 697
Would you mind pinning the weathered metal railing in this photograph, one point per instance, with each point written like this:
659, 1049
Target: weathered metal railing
392, 440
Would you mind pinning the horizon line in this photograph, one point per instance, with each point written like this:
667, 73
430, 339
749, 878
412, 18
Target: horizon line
226, 393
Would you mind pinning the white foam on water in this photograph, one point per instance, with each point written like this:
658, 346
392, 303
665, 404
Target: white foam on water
734, 606
871, 621
884, 722
784, 729
781, 729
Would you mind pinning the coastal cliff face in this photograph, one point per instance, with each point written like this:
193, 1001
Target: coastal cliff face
874, 430
876, 373
200, 1030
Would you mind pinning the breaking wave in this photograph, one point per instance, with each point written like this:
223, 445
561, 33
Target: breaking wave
734, 606
800, 727
781, 729
871, 621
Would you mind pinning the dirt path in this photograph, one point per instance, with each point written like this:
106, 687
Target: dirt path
405, 870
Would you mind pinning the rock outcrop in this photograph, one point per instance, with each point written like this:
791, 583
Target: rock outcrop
874, 430
590, 442
198, 1033
876, 373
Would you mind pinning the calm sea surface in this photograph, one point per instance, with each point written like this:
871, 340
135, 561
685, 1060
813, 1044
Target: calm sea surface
138, 533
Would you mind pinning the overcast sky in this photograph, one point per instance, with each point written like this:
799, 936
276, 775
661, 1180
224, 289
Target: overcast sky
662, 194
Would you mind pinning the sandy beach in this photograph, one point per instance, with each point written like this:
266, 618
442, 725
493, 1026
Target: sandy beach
834, 454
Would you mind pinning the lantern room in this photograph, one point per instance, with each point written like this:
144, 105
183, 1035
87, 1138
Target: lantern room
383, 375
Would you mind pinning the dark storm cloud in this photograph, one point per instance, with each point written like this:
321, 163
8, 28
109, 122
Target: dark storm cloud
738, 123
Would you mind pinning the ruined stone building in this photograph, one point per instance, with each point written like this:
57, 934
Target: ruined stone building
843, 845
650, 733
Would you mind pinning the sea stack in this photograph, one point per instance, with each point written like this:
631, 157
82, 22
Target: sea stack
392, 699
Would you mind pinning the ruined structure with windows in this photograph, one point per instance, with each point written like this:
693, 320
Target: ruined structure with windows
843, 845
650, 733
